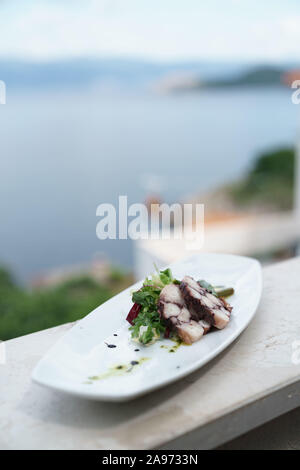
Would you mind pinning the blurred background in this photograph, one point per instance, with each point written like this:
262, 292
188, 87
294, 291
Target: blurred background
160, 101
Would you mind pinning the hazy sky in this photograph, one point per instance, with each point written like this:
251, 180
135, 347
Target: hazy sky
152, 29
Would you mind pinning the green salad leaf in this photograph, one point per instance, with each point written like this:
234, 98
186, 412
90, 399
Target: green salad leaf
147, 326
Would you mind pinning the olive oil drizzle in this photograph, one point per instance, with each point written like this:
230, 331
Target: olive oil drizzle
117, 370
178, 342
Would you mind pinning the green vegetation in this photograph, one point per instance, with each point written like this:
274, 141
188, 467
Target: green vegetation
270, 182
116, 274
260, 76
23, 311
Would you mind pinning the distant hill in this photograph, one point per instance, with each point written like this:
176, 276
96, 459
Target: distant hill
134, 73
125, 72
259, 76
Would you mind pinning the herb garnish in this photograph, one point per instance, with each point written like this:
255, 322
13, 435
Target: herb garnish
218, 291
206, 285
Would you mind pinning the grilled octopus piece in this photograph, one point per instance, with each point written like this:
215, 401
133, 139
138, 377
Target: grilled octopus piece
172, 308
215, 311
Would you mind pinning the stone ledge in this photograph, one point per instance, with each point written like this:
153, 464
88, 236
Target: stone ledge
250, 383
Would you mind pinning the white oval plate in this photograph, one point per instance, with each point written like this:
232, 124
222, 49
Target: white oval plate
82, 352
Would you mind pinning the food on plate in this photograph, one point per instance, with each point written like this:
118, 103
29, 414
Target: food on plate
187, 309
176, 315
215, 311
